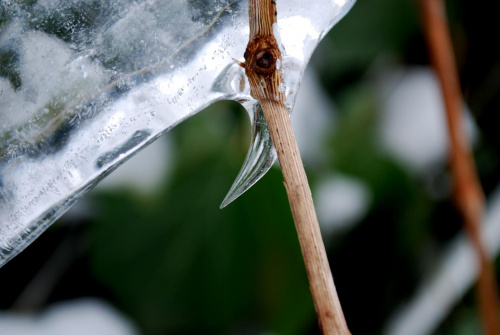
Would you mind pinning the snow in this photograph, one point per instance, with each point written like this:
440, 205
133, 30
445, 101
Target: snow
341, 201
78, 317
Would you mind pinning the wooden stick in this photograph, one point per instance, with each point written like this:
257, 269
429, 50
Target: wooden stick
330, 315
261, 56
468, 191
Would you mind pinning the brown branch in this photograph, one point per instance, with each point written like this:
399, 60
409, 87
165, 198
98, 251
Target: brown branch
468, 192
261, 56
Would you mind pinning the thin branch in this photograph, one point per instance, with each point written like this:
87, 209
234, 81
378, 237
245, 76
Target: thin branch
458, 270
468, 192
261, 56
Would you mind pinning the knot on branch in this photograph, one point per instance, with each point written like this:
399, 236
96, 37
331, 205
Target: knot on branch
261, 55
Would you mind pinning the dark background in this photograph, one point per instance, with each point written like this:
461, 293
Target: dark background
174, 263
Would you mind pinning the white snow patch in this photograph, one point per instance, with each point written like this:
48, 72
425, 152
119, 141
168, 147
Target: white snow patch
145, 172
312, 119
341, 201
413, 123
80, 317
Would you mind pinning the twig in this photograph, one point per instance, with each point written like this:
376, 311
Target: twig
457, 272
468, 192
261, 56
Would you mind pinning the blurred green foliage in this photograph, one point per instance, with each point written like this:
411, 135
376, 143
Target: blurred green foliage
181, 265
177, 264
370, 30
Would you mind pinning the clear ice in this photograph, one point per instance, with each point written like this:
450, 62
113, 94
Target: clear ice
86, 84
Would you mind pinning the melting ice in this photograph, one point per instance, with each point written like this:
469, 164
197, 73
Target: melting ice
84, 85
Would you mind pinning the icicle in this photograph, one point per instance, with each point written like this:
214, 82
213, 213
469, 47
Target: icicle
260, 157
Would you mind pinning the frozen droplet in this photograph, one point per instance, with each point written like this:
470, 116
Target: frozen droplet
261, 155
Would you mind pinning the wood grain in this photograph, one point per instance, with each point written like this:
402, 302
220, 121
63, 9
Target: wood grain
261, 58
330, 316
